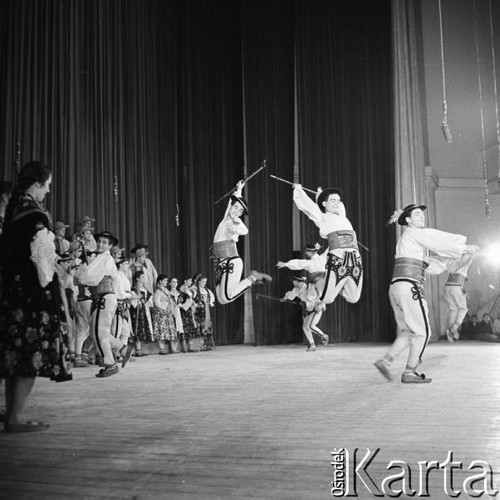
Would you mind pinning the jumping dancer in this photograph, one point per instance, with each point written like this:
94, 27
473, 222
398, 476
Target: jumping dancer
228, 264
343, 267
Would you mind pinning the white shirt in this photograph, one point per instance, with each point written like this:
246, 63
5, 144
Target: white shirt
93, 273
437, 264
315, 264
230, 229
122, 287
327, 222
414, 243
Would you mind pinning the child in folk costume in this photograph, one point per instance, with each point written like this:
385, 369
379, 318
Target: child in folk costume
205, 301
406, 292
186, 305
228, 264
162, 315
140, 314
176, 298
343, 267
312, 309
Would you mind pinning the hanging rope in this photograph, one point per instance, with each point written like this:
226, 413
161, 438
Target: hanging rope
492, 35
444, 127
485, 170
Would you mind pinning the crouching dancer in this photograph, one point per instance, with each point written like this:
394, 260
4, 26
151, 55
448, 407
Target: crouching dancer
406, 292
99, 276
312, 310
228, 264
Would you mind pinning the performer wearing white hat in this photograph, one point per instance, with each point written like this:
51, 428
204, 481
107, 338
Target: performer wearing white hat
228, 264
406, 292
343, 267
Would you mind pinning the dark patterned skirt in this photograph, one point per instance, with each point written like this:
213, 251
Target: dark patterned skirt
33, 331
190, 329
203, 320
163, 324
140, 324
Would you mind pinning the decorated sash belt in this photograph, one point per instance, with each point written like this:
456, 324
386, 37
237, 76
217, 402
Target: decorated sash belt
404, 267
456, 279
225, 249
342, 239
105, 286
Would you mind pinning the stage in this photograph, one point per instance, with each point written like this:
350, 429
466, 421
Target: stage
261, 422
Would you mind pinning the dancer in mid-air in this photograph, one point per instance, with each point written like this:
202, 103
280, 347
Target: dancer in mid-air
343, 267
228, 264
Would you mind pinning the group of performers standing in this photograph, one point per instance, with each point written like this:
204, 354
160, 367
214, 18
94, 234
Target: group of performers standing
125, 302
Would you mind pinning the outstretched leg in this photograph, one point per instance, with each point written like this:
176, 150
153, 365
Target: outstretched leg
229, 285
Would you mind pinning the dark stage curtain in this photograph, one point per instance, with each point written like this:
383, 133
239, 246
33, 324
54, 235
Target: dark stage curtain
268, 64
209, 136
87, 88
149, 111
344, 74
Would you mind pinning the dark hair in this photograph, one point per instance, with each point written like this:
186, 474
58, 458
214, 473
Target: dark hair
161, 277
198, 279
6, 187
136, 276
32, 172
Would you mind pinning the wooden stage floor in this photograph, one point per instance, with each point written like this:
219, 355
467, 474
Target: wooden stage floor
257, 422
